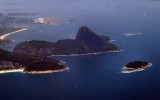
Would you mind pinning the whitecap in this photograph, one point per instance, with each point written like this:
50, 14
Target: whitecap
115, 51
132, 34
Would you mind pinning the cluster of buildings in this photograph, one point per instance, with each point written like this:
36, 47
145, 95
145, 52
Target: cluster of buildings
50, 20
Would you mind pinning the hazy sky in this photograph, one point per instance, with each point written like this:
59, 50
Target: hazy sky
111, 8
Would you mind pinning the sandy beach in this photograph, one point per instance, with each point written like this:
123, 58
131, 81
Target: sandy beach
11, 71
7, 34
21, 70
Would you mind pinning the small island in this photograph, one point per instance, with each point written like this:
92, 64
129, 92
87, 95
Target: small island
135, 66
86, 42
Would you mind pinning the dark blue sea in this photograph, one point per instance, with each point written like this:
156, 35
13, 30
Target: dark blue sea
91, 77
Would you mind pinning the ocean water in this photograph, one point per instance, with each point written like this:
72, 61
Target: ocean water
91, 77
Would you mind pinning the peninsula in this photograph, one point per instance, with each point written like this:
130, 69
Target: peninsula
16, 62
86, 42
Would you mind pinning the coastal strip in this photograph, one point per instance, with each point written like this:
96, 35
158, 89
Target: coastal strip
11, 71
47, 71
7, 34
96, 53
33, 72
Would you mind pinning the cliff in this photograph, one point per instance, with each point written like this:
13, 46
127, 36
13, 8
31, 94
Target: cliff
86, 41
89, 38
106, 38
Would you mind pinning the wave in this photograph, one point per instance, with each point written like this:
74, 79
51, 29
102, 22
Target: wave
116, 51
132, 34
111, 40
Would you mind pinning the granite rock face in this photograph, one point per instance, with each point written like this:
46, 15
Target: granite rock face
68, 46
106, 38
86, 41
89, 38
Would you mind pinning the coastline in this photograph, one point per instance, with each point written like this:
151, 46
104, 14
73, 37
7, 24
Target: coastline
114, 51
124, 70
7, 34
47, 71
33, 72
11, 71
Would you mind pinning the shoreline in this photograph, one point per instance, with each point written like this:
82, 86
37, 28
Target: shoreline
7, 34
11, 71
124, 70
33, 72
47, 71
115, 51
